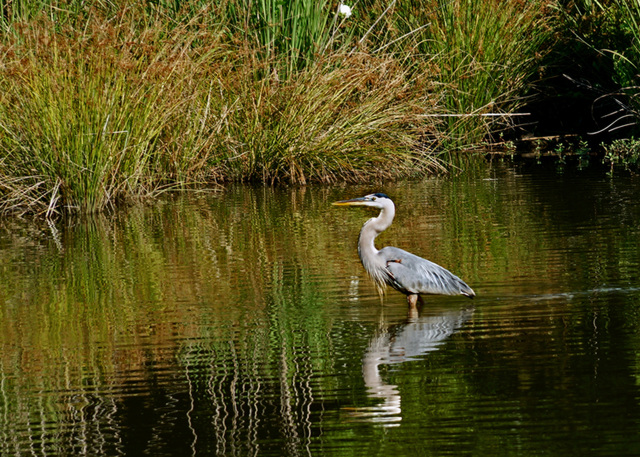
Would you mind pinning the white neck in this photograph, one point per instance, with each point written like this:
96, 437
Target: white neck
371, 229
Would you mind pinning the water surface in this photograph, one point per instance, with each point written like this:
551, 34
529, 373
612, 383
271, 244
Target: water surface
241, 323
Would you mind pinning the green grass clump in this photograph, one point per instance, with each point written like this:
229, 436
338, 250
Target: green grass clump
106, 114
481, 56
290, 34
354, 121
488, 54
624, 152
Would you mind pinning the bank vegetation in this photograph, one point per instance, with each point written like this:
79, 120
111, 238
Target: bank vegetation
108, 102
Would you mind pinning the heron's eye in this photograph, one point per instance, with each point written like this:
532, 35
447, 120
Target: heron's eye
374, 199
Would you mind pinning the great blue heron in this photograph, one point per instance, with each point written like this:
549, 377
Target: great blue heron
405, 272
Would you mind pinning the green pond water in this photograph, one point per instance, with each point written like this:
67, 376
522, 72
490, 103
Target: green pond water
240, 322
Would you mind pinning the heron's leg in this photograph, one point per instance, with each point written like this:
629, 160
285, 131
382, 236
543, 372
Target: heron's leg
412, 301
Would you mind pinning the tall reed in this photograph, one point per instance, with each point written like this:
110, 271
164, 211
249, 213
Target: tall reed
488, 54
481, 55
353, 120
93, 116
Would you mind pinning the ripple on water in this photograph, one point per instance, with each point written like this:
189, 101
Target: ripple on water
244, 324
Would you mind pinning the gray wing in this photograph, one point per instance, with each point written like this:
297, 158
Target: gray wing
415, 275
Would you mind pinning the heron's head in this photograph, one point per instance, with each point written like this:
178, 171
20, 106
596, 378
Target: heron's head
377, 200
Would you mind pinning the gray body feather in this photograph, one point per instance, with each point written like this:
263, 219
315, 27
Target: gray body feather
411, 274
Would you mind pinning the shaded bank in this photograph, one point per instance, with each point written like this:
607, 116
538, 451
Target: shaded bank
589, 84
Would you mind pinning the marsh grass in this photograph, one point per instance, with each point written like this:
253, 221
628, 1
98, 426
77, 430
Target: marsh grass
481, 56
624, 152
489, 53
354, 121
103, 103
107, 114
289, 33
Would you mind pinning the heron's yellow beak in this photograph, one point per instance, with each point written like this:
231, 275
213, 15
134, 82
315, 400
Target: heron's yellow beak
361, 201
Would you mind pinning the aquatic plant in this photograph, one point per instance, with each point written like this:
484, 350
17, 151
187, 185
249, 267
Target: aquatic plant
291, 34
112, 112
624, 151
482, 56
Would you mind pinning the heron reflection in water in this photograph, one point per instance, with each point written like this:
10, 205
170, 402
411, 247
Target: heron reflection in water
399, 343
405, 272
